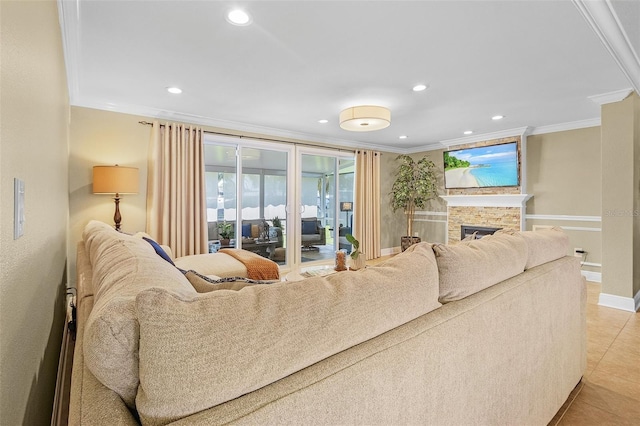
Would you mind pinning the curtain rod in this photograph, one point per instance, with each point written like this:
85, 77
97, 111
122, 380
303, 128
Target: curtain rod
147, 123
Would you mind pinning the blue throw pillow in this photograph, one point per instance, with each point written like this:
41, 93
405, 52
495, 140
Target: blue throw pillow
246, 230
309, 227
163, 254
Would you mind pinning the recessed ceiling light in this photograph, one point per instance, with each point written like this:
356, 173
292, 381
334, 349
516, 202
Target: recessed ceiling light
497, 117
402, 137
419, 87
174, 90
238, 17
323, 121
468, 132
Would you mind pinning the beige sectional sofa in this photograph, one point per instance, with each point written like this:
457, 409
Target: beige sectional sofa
490, 331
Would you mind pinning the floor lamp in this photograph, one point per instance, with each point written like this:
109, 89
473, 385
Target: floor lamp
346, 206
115, 180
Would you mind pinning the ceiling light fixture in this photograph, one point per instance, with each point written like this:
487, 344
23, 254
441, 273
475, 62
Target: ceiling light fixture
365, 118
402, 137
323, 121
497, 117
174, 90
468, 132
238, 17
419, 87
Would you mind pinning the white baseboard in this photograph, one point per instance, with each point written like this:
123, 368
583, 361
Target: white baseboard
389, 251
629, 304
594, 277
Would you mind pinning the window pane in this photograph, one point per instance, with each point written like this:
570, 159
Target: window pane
275, 196
251, 196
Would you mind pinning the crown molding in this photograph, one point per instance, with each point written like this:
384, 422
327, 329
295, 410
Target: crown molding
68, 16
611, 97
520, 131
561, 127
605, 23
242, 128
423, 148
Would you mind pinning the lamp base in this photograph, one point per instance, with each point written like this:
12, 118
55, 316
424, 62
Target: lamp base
117, 218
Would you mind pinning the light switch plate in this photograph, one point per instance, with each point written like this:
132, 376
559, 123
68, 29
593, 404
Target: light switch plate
18, 208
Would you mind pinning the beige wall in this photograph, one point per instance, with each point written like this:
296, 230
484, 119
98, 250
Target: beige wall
620, 198
564, 175
104, 138
34, 148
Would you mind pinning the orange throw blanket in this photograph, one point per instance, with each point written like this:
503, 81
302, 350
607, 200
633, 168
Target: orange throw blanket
258, 268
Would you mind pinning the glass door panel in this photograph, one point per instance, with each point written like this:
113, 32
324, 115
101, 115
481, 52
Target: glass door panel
220, 182
264, 201
317, 207
346, 177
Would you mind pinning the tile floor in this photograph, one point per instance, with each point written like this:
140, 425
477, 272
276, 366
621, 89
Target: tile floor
610, 390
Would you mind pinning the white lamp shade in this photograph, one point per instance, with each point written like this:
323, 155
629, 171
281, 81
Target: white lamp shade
115, 180
365, 118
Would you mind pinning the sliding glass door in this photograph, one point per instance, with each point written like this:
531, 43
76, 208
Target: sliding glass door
325, 193
247, 193
293, 205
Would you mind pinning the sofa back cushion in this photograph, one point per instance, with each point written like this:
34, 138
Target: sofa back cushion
545, 245
310, 226
470, 266
200, 351
122, 266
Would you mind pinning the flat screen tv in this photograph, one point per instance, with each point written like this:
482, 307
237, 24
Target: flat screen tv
482, 167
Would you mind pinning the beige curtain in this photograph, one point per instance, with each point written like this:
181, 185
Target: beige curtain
176, 203
367, 203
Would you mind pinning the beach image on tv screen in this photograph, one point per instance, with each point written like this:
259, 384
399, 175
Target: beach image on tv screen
494, 165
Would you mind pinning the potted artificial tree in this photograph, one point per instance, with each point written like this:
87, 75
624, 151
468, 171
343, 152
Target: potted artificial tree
415, 184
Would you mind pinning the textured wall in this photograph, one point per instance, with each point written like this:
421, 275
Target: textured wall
564, 174
34, 148
620, 160
104, 138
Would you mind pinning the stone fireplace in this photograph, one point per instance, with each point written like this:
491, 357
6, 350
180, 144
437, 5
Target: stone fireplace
497, 207
494, 211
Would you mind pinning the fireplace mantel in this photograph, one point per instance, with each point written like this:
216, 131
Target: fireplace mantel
496, 200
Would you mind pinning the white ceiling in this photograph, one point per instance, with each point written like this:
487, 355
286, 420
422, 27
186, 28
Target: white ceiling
536, 62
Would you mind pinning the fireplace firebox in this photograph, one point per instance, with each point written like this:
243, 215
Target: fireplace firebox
479, 231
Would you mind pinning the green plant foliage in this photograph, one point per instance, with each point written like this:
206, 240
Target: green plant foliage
415, 184
276, 222
451, 162
355, 246
225, 230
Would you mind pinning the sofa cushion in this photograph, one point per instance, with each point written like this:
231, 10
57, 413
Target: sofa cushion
206, 284
219, 264
309, 227
200, 351
246, 230
123, 265
545, 245
470, 266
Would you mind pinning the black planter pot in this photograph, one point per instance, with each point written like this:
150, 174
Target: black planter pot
408, 241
